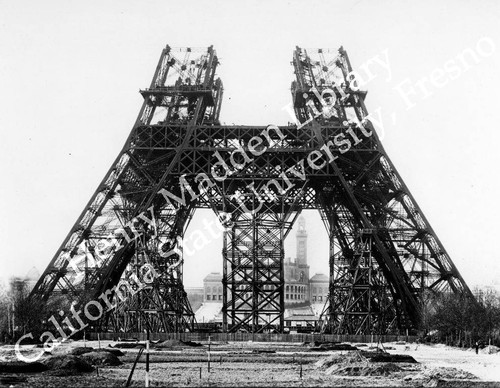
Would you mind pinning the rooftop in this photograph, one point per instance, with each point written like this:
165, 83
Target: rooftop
213, 276
320, 277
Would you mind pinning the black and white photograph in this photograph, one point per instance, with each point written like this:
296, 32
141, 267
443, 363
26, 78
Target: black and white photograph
249, 193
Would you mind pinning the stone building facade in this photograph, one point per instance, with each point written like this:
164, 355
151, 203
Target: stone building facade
212, 288
300, 289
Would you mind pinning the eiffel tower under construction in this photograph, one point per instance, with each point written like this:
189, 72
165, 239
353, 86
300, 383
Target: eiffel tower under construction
125, 249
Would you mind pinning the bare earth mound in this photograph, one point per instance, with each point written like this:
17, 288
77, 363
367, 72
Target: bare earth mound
340, 359
101, 358
443, 374
325, 346
84, 350
388, 357
354, 364
446, 377
173, 343
81, 350
128, 345
364, 370
67, 365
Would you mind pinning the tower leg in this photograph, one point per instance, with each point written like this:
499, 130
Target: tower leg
253, 275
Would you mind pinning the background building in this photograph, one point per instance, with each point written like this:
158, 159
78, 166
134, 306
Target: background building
304, 296
212, 287
318, 285
299, 288
297, 270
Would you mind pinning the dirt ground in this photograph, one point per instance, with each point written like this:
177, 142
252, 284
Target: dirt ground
247, 364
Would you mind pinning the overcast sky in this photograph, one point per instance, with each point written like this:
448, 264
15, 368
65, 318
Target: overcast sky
70, 73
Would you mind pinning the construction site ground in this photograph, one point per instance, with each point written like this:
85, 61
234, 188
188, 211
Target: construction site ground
247, 364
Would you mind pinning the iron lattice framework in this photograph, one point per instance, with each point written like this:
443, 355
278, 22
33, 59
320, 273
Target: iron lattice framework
383, 255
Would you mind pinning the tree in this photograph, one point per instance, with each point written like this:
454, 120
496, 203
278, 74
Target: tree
5, 307
31, 314
490, 301
28, 312
462, 320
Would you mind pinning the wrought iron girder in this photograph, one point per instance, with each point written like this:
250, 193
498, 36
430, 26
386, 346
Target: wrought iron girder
127, 191
177, 147
253, 276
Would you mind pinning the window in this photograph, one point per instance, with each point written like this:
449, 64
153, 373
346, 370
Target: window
314, 290
208, 297
214, 297
286, 288
320, 298
220, 297
286, 296
314, 299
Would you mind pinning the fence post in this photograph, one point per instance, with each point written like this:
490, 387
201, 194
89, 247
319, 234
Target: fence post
209, 343
147, 358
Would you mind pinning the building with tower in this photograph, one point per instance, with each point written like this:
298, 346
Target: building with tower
297, 289
300, 288
305, 296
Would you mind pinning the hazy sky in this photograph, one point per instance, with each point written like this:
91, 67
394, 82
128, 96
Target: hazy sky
70, 74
